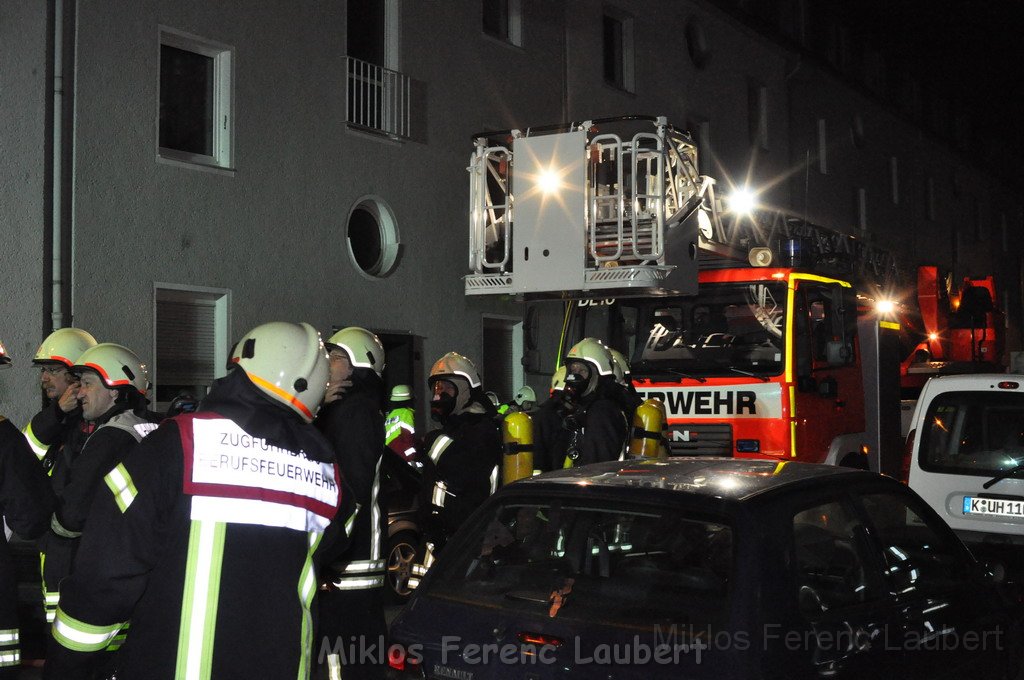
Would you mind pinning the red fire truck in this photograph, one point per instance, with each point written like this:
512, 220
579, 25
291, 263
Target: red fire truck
748, 327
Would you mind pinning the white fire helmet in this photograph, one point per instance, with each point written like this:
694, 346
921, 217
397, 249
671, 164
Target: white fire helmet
364, 349
64, 346
620, 364
287, 362
593, 352
116, 365
454, 365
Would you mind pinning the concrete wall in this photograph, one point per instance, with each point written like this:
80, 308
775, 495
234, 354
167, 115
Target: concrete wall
24, 92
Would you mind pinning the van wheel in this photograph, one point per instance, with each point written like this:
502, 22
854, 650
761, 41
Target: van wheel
855, 460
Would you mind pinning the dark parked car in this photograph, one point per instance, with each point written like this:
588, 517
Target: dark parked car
706, 568
399, 489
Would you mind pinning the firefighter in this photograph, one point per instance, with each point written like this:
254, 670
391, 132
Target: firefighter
525, 400
351, 610
591, 413
549, 436
400, 425
113, 384
26, 502
205, 536
462, 456
59, 426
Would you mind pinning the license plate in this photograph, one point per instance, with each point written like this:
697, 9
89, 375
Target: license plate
993, 506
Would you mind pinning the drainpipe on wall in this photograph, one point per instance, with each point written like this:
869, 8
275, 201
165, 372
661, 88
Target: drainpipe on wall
56, 213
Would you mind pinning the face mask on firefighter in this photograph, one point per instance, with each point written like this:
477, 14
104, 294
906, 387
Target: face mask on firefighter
443, 402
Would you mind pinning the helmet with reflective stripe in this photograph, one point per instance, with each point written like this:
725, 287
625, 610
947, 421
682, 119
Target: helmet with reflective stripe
364, 349
65, 346
593, 352
454, 365
620, 365
117, 366
287, 362
5, 360
525, 394
401, 393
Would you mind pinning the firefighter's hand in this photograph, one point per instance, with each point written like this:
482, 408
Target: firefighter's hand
68, 401
336, 392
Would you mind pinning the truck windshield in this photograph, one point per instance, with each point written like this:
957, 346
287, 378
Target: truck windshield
728, 329
973, 433
611, 563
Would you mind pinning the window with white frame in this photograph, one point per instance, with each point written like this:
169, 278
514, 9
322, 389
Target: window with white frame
503, 19
195, 123
618, 55
191, 341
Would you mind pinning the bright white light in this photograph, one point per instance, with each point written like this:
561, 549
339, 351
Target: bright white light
549, 182
885, 306
742, 201
933, 336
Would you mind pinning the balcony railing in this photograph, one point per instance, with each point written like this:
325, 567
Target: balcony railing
378, 99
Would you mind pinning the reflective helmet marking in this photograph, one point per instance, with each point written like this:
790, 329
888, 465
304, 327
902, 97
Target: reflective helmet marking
290, 398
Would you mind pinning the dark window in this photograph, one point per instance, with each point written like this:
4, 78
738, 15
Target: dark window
366, 30
364, 238
628, 564
614, 47
829, 559
496, 18
973, 433
918, 559
186, 101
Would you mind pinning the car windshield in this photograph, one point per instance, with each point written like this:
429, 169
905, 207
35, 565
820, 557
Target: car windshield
973, 433
729, 329
611, 563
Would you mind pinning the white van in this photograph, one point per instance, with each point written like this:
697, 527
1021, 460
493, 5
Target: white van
966, 447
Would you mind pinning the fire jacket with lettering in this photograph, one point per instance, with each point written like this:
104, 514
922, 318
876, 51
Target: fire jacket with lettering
400, 432
26, 502
465, 459
204, 537
116, 432
355, 428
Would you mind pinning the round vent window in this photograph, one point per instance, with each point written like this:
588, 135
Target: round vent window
372, 236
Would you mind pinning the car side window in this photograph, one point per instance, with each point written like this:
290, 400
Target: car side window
918, 559
829, 563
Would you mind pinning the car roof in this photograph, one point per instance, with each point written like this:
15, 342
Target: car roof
727, 478
976, 380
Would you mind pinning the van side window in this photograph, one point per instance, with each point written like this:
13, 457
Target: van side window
973, 433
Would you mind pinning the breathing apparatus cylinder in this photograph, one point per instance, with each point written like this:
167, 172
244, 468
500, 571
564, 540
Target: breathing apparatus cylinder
648, 425
517, 435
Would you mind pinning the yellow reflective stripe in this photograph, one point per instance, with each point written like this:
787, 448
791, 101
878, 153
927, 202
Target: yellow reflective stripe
351, 520
11, 658
358, 583
8, 637
494, 478
79, 636
375, 520
200, 600
38, 447
439, 446
306, 591
121, 485
364, 565
891, 325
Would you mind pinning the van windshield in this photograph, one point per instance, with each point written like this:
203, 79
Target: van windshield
973, 433
611, 563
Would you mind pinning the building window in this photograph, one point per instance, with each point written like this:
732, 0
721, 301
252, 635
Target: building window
618, 49
861, 198
894, 178
697, 43
191, 340
503, 19
757, 105
372, 236
195, 108
822, 147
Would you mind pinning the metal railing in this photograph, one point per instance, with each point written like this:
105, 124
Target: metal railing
377, 98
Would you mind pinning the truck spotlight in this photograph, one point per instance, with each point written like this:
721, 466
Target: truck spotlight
760, 256
885, 306
742, 201
933, 336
